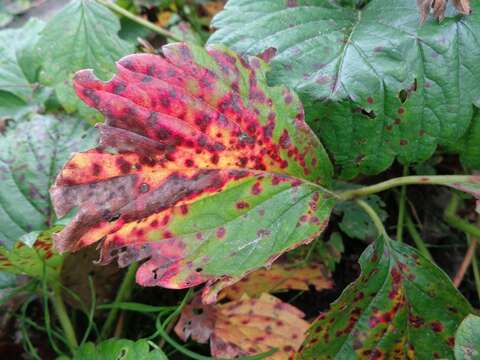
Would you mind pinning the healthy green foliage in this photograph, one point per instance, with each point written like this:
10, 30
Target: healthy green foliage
468, 145
18, 70
81, 35
467, 340
31, 154
375, 84
119, 349
356, 223
401, 306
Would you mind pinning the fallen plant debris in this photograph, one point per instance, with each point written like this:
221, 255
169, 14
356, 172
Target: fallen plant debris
244, 326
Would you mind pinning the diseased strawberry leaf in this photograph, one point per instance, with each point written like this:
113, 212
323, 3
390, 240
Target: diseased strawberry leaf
467, 340
402, 306
280, 277
31, 154
375, 84
202, 168
35, 260
244, 327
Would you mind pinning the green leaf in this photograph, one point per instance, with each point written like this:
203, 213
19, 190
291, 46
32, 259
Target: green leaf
375, 84
468, 145
202, 168
119, 349
402, 306
38, 260
84, 34
467, 340
17, 63
355, 221
31, 154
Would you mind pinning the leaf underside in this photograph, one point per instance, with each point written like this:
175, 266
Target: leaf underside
401, 307
375, 84
201, 167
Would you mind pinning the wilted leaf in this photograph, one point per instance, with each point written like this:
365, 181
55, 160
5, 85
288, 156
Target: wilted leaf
202, 168
467, 340
355, 221
31, 154
119, 349
82, 35
244, 327
35, 260
280, 277
375, 84
401, 307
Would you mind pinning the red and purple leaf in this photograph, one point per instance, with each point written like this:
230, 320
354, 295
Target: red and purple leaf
202, 168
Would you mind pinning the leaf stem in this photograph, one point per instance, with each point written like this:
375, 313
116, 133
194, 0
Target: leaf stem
451, 218
401, 207
472, 232
417, 239
404, 180
114, 7
123, 294
61, 311
373, 215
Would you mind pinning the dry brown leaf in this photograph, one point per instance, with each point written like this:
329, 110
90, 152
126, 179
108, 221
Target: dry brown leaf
438, 8
245, 327
280, 277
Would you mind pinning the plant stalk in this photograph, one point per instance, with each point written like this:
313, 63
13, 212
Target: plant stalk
404, 180
457, 222
114, 7
401, 207
61, 311
374, 216
417, 239
123, 294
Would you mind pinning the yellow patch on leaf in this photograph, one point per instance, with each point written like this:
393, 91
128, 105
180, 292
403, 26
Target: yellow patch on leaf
245, 327
280, 277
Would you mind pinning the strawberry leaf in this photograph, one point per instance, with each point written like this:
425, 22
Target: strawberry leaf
244, 327
35, 260
202, 168
467, 340
119, 349
401, 306
280, 277
81, 35
399, 95
31, 154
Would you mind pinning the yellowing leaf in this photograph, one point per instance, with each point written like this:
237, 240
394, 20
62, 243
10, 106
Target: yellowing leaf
280, 277
245, 327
